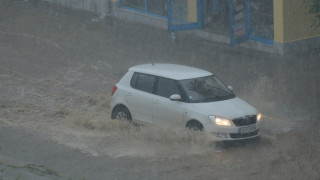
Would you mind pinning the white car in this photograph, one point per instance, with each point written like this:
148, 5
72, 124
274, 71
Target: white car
183, 96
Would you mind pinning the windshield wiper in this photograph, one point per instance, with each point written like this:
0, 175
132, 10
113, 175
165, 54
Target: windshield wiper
220, 89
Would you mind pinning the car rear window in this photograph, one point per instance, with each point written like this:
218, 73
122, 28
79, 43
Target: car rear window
143, 82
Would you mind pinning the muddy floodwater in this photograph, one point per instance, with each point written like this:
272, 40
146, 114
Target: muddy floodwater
57, 69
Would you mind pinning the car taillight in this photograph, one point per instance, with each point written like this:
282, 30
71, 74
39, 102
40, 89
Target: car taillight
113, 90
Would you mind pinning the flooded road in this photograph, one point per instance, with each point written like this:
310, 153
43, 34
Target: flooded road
57, 69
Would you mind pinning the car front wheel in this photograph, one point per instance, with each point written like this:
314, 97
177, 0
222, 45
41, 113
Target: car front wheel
194, 125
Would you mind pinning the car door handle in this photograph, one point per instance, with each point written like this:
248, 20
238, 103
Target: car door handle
129, 94
155, 101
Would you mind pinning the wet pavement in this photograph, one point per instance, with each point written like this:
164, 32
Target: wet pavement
57, 69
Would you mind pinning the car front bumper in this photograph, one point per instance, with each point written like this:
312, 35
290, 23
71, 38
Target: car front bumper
234, 132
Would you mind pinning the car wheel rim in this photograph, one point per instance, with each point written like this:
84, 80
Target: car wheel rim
195, 128
121, 116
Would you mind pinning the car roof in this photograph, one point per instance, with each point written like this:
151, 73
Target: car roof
171, 71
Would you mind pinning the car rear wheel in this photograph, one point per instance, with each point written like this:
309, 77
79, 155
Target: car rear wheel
121, 113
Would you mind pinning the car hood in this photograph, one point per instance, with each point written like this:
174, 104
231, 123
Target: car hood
230, 109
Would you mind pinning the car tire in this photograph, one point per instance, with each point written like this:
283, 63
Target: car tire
194, 126
121, 113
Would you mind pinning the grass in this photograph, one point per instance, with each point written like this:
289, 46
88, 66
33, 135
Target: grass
36, 169
2, 170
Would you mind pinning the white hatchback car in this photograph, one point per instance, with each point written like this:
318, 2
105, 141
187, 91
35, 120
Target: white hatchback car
184, 97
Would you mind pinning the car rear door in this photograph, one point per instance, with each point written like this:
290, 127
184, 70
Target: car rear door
140, 96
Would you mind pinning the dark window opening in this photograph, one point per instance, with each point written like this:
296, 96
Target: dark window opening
157, 7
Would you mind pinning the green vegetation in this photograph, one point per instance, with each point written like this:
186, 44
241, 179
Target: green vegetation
36, 169
18, 177
31, 168
2, 170
313, 7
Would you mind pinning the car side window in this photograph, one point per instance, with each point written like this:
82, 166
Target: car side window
143, 82
134, 80
167, 87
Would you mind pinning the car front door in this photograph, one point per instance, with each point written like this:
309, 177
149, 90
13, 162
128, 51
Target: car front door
166, 111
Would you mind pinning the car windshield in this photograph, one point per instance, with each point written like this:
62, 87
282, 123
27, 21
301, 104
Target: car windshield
206, 89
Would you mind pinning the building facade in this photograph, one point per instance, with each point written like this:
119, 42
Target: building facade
275, 26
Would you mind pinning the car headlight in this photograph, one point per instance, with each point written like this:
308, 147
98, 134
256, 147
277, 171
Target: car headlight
259, 116
220, 121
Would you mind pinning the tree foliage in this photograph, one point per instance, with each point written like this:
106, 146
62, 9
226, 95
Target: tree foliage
313, 7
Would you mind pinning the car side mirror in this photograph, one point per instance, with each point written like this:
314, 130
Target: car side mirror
230, 87
175, 97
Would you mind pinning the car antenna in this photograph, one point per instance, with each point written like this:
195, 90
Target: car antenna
151, 61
